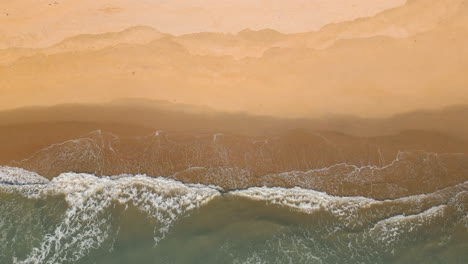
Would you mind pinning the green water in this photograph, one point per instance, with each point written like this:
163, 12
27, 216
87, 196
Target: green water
85, 219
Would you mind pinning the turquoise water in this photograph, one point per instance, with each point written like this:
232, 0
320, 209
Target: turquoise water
81, 218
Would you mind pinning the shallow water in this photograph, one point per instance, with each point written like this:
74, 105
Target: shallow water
81, 218
338, 165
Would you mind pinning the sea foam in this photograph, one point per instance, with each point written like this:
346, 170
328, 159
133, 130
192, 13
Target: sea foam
86, 223
13, 175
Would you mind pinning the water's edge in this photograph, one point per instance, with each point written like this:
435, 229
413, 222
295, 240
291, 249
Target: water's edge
82, 218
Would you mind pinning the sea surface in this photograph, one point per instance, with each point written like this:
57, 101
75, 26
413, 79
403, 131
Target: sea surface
82, 218
222, 200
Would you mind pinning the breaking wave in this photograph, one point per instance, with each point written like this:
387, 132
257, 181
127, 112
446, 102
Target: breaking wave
75, 215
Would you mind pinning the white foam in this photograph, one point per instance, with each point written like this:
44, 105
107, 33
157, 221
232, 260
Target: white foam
298, 198
389, 231
14, 175
351, 212
86, 224
345, 209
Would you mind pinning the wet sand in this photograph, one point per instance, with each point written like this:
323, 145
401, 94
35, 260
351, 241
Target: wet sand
235, 151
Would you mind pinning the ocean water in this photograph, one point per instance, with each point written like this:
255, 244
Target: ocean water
83, 218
